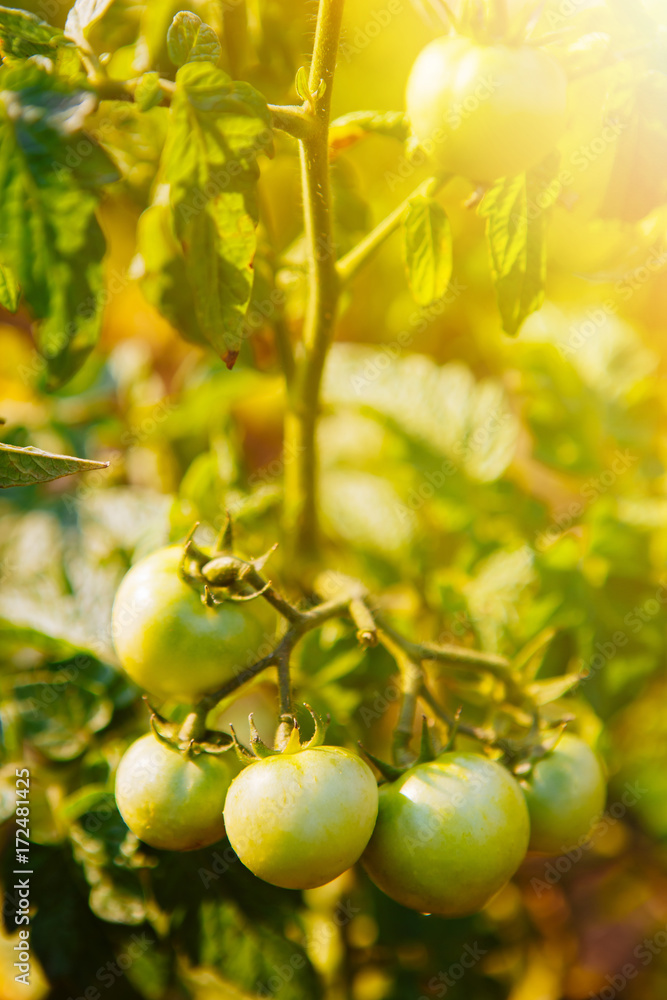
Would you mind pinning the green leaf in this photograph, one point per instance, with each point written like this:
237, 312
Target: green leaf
148, 93
15, 638
10, 291
84, 14
189, 40
250, 955
160, 265
98, 837
59, 718
50, 237
516, 211
23, 35
428, 249
134, 139
544, 692
26, 466
217, 128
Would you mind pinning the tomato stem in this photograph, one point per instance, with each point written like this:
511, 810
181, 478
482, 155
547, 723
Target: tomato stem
350, 265
301, 472
412, 678
353, 603
194, 726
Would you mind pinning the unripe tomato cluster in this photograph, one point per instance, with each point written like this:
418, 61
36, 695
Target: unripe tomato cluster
442, 838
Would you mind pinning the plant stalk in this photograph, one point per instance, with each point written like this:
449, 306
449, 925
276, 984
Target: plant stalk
301, 472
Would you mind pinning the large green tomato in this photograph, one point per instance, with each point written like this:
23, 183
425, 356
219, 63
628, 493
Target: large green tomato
485, 111
565, 794
299, 820
170, 643
449, 834
170, 799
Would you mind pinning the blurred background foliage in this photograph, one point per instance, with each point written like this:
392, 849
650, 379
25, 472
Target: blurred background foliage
489, 488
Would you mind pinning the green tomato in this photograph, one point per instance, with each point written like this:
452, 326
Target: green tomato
172, 644
449, 834
565, 793
300, 819
170, 799
485, 111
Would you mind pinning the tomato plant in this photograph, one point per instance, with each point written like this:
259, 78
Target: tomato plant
373, 293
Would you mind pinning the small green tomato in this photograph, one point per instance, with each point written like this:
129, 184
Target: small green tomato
170, 799
172, 644
298, 820
449, 835
565, 793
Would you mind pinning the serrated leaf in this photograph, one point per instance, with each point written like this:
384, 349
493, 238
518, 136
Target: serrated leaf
48, 231
217, 128
83, 15
428, 249
544, 692
27, 466
10, 292
59, 719
148, 93
517, 213
190, 39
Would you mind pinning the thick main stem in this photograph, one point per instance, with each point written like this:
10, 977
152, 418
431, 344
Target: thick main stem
301, 471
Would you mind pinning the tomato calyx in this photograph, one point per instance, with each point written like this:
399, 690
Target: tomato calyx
526, 755
191, 737
427, 753
489, 22
223, 575
260, 751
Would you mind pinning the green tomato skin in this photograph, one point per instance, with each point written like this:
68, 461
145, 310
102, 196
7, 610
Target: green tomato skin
485, 112
170, 643
565, 794
170, 800
300, 820
449, 835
